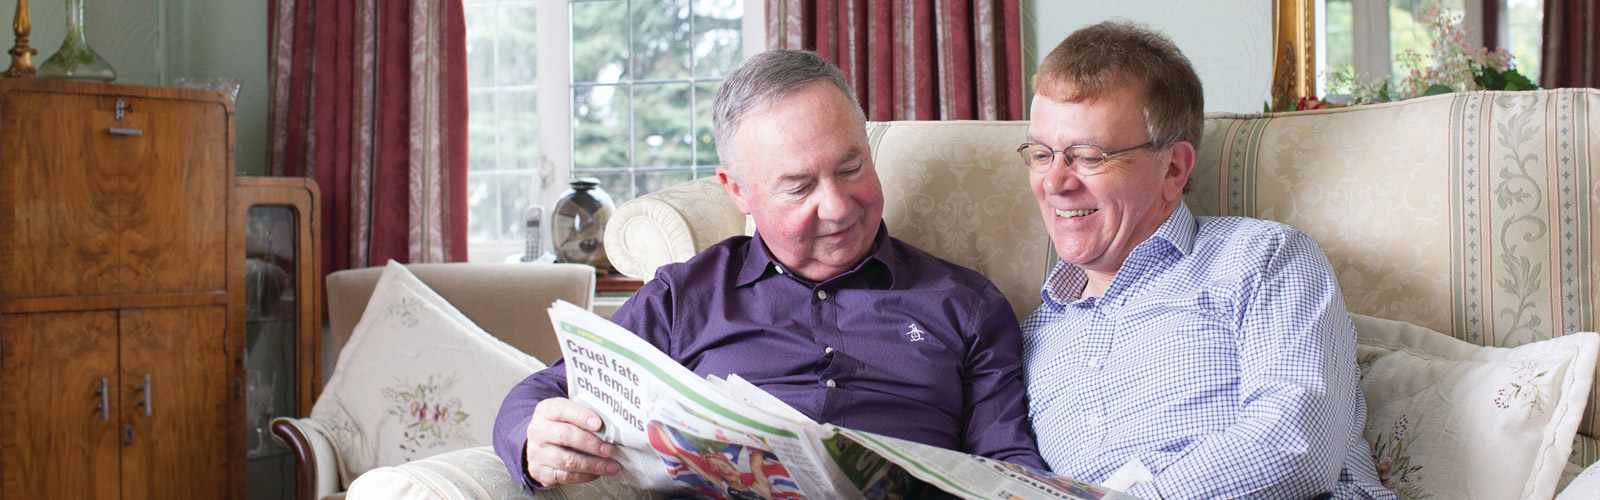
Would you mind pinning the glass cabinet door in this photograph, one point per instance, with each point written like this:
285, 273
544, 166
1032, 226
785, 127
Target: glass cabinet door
281, 357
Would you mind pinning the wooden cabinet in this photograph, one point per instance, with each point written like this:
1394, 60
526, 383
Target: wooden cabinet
121, 366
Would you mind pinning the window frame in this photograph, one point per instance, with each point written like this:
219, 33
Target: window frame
554, 86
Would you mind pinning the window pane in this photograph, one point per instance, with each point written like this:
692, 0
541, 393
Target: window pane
704, 138
1340, 41
481, 121
515, 197
652, 181
1408, 31
600, 126
718, 38
599, 42
1525, 27
660, 39
519, 129
481, 215
480, 46
661, 126
517, 47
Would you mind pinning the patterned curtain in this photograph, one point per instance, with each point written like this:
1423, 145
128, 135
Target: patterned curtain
914, 59
1571, 44
370, 99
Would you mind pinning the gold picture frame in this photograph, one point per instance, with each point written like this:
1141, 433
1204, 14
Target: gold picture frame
1294, 61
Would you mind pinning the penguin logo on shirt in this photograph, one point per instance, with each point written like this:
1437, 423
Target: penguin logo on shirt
915, 334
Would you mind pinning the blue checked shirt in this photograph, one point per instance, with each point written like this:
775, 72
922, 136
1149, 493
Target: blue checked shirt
1220, 357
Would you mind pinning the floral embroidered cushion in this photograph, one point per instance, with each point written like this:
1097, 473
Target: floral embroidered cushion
1450, 419
416, 378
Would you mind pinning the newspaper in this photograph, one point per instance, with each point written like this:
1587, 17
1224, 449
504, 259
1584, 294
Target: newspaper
677, 433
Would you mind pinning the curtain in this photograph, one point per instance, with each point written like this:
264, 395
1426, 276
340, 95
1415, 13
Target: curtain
369, 98
914, 59
1571, 44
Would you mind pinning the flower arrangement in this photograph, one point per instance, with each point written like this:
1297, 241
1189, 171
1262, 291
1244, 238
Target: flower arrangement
1454, 67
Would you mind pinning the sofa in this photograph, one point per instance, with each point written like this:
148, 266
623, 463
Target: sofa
1458, 225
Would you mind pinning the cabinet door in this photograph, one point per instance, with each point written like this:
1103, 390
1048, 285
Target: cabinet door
180, 419
94, 201
58, 431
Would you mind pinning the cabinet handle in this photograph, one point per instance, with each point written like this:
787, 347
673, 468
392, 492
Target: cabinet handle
105, 400
144, 395
125, 131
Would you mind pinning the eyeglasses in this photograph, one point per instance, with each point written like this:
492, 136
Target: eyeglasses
1086, 159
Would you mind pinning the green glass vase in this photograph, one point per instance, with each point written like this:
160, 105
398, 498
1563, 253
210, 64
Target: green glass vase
75, 60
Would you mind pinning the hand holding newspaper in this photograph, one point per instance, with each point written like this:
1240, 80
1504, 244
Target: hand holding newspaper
727, 439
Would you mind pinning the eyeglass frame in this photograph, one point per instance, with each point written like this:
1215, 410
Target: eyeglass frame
1097, 169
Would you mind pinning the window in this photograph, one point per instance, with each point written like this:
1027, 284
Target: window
630, 83
1366, 35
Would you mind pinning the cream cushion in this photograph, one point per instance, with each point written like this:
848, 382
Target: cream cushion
1451, 419
416, 378
476, 473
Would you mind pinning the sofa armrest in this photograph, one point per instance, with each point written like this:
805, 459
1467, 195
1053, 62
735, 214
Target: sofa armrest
316, 464
670, 225
473, 473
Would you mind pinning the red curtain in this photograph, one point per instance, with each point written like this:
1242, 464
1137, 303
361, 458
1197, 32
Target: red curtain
370, 99
1571, 44
914, 59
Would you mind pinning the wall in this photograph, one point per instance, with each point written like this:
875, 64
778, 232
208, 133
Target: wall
153, 42
1229, 42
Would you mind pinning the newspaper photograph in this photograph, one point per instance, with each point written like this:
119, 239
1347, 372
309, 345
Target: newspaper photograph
726, 439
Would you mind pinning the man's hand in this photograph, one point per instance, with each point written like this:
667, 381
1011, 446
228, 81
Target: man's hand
562, 448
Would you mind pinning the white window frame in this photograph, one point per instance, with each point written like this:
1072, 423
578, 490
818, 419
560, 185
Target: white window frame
554, 83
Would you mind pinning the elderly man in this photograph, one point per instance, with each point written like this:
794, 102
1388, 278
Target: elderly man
1210, 357
821, 308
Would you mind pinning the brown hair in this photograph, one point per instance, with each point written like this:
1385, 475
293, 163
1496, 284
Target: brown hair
1097, 59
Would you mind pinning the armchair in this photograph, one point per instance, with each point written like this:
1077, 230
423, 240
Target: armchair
506, 300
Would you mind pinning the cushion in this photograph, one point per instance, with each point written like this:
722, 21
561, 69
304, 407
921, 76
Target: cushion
416, 378
1451, 419
475, 473
1585, 485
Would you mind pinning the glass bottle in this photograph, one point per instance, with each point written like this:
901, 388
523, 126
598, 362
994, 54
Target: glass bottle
578, 225
75, 60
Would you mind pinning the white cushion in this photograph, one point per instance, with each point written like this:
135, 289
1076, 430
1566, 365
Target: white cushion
416, 378
1584, 486
1455, 420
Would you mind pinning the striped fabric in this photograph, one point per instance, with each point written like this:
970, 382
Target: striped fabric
1471, 213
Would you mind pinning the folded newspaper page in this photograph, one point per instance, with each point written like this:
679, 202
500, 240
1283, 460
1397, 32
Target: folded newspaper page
726, 439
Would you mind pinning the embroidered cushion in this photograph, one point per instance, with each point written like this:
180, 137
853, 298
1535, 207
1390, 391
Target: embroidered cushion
416, 378
1449, 419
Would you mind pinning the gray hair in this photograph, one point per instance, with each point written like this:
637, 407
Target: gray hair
762, 81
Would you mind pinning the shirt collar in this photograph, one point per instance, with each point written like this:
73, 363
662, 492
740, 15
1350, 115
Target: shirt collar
1065, 282
759, 262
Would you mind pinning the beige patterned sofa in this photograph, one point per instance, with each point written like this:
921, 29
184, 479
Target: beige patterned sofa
1470, 214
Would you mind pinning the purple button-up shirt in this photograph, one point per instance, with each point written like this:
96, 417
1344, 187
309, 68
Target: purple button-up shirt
905, 345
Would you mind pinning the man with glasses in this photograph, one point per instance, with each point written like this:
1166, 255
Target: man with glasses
821, 308
1192, 357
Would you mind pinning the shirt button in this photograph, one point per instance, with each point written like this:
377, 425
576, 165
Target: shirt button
1094, 364
827, 350
821, 295
778, 268
830, 383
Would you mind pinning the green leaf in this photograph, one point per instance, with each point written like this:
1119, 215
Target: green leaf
1511, 86
1513, 77
1437, 89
